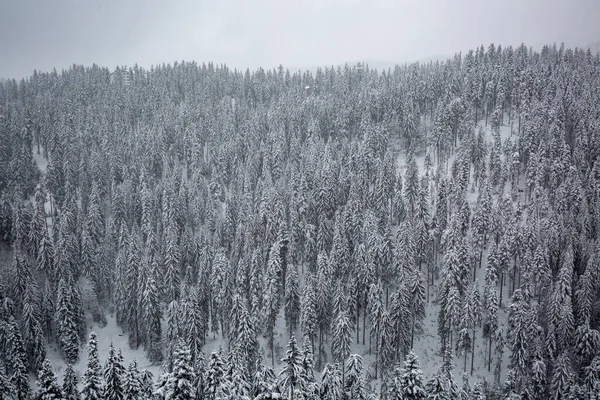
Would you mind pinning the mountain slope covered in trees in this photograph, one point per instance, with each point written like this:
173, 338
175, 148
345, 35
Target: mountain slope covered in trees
268, 234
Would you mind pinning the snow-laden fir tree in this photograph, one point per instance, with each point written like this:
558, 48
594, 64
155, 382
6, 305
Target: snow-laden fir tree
332, 386
264, 383
114, 374
70, 382
180, 384
49, 388
93, 386
66, 322
409, 383
132, 384
436, 388
292, 371
215, 372
292, 299
354, 384
272, 296
5, 384
308, 314
342, 338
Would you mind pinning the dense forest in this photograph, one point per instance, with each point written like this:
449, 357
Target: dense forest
305, 226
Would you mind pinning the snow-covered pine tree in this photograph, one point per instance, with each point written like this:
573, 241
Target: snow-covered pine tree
114, 374
342, 339
436, 388
70, 383
151, 317
562, 377
180, 385
332, 386
409, 384
33, 337
132, 384
47, 384
171, 262
147, 384
92, 378
66, 322
292, 371
292, 299
247, 344
5, 384
272, 296
354, 384
308, 313
308, 371
20, 380
264, 384
133, 288
172, 334
215, 372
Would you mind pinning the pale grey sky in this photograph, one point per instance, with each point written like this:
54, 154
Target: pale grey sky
44, 34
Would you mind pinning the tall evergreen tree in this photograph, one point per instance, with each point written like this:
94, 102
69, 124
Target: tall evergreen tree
48, 386
409, 384
92, 378
70, 383
292, 299
292, 371
354, 384
114, 374
180, 384
66, 322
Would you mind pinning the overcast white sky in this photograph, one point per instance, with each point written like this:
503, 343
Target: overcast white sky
44, 34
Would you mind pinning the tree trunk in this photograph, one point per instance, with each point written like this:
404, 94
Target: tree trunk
358, 321
273, 347
501, 286
364, 320
376, 357
472, 350
412, 334
514, 283
490, 354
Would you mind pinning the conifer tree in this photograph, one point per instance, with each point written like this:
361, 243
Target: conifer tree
292, 299
147, 384
66, 322
332, 387
16, 352
114, 374
215, 372
272, 296
92, 378
409, 384
308, 369
6, 386
247, 344
151, 316
354, 385
342, 338
264, 384
172, 277
48, 386
20, 380
308, 313
70, 382
436, 388
132, 290
180, 384
292, 371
